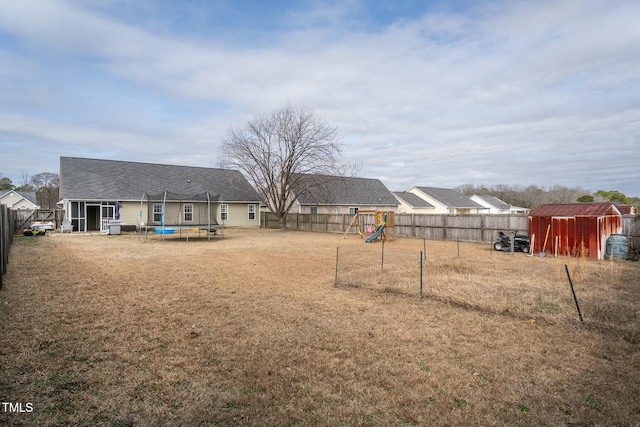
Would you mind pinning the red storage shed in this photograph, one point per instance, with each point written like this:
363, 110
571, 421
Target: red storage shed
574, 228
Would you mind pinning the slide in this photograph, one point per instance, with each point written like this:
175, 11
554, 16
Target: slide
376, 233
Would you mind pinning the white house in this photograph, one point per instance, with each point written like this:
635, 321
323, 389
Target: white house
19, 200
448, 201
412, 204
497, 206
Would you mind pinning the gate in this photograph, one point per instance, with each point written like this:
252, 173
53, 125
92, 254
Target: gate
25, 217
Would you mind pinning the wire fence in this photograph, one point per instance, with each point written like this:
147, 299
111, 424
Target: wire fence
379, 267
474, 276
386, 267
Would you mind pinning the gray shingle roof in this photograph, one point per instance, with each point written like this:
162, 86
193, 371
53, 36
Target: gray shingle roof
336, 190
94, 179
450, 198
412, 200
494, 201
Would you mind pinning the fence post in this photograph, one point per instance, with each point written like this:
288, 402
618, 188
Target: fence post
420, 273
7, 223
413, 226
424, 247
444, 227
573, 292
337, 252
2, 243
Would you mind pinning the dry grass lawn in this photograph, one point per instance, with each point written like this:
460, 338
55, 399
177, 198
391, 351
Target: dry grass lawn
251, 330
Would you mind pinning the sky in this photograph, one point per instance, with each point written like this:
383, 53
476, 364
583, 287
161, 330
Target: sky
423, 93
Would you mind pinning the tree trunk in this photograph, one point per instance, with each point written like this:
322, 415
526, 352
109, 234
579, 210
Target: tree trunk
282, 221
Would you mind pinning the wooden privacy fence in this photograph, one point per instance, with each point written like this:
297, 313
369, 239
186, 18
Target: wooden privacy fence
6, 235
631, 229
466, 228
469, 228
24, 218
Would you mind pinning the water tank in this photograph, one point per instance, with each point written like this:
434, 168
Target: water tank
617, 246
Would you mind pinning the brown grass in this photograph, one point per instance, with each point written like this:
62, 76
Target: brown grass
251, 330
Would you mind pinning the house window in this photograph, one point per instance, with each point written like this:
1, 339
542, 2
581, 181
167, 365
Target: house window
188, 212
452, 211
224, 212
353, 211
339, 210
157, 212
313, 210
252, 212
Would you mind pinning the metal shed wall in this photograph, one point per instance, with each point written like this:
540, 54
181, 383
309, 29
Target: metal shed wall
574, 231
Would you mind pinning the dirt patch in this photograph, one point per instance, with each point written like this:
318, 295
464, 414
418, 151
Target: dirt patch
252, 330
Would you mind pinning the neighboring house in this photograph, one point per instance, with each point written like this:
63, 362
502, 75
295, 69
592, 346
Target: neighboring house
19, 200
497, 206
447, 201
411, 203
93, 192
341, 195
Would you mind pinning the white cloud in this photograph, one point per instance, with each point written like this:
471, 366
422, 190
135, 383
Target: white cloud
441, 99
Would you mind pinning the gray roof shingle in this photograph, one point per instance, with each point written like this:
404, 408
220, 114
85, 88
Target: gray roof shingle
450, 198
97, 179
412, 200
336, 190
494, 201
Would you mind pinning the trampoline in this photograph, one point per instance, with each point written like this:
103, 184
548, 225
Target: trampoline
179, 215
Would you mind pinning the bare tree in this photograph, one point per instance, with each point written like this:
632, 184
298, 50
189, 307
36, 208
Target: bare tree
47, 186
25, 183
276, 151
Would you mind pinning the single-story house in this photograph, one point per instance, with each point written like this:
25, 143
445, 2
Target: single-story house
317, 194
94, 192
574, 228
412, 204
448, 201
19, 200
497, 206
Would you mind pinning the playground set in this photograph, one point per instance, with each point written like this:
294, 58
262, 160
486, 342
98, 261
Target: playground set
372, 225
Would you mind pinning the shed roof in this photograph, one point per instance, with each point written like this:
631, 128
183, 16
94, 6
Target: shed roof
576, 209
338, 190
96, 179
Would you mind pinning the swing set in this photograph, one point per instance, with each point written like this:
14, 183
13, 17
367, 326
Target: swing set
374, 223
